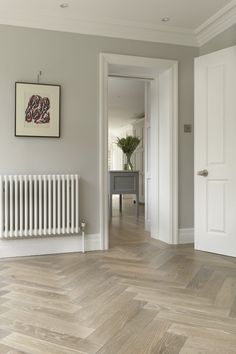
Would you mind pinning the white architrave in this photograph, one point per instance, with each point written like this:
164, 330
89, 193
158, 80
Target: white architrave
155, 67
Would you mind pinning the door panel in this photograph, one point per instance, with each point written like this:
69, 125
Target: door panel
215, 151
147, 158
216, 206
215, 114
139, 156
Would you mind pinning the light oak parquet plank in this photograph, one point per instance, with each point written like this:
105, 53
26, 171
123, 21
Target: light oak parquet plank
146, 341
36, 346
133, 326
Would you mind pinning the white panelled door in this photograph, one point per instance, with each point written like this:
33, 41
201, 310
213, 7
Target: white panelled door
215, 152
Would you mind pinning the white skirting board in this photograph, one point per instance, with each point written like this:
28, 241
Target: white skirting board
186, 236
64, 244
48, 245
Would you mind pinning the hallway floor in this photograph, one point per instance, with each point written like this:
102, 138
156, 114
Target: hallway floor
141, 296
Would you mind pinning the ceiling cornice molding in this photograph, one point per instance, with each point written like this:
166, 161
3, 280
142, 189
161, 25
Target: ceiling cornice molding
219, 22
108, 28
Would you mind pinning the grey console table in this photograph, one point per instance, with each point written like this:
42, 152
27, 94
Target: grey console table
123, 182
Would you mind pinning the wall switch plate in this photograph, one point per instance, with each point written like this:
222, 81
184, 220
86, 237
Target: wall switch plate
188, 128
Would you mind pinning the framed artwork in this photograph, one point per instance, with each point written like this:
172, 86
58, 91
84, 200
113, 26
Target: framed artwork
37, 110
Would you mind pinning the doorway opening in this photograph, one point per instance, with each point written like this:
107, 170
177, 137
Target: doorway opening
161, 105
127, 148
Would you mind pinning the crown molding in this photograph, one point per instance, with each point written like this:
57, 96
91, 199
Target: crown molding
219, 22
107, 27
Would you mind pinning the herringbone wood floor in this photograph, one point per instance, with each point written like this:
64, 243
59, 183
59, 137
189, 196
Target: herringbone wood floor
141, 296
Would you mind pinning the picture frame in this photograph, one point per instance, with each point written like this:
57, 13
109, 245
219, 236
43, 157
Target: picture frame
37, 110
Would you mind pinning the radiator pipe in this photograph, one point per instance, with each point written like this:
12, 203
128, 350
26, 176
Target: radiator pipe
82, 226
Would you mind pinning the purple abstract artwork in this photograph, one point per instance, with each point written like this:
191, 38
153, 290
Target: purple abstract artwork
37, 110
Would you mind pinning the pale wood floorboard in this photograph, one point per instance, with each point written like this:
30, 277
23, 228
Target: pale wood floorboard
140, 297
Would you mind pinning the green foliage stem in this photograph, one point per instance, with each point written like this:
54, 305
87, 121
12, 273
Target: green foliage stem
128, 145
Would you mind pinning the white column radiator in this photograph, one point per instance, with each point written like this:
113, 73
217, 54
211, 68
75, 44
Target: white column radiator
39, 205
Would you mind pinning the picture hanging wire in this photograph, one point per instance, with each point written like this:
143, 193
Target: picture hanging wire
38, 76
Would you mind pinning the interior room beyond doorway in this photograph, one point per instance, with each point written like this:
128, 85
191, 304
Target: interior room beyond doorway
126, 149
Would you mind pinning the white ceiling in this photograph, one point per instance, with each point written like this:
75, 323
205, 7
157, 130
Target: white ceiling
137, 19
126, 101
188, 14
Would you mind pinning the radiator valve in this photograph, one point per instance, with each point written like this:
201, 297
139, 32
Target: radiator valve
83, 225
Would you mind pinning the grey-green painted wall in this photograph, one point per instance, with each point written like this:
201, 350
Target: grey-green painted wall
223, 40
72, 60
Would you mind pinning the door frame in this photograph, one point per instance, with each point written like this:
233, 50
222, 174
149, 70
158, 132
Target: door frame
106, 59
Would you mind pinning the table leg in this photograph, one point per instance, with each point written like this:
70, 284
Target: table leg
120, 203
137, 204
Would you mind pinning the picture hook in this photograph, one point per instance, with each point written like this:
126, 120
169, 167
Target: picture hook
38, 76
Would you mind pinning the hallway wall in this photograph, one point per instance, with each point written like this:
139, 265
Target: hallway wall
72, 60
